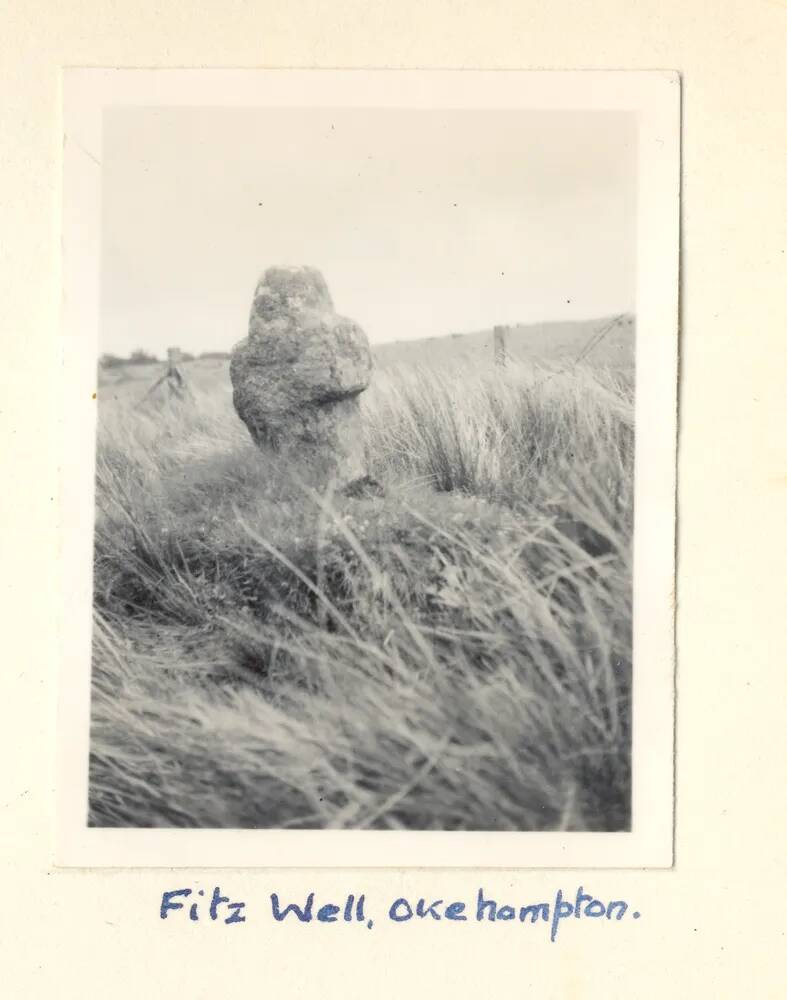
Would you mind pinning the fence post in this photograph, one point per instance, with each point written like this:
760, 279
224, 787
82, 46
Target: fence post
500, 345
173, 359
172, 376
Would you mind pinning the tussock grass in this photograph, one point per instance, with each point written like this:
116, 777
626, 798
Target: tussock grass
454, 655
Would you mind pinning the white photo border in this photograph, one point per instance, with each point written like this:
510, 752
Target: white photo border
655, 98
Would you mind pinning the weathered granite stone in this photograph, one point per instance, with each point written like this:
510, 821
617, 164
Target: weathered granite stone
297, 377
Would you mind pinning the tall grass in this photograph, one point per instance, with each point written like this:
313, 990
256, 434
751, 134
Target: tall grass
453, 655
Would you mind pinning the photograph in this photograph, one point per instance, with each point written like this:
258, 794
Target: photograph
364, 468
394, 518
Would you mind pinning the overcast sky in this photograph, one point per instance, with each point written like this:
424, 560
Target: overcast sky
423, 222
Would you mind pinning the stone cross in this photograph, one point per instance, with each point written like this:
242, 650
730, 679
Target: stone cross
297, 377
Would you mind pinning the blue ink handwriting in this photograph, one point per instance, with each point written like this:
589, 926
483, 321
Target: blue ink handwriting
353, 909
217, 901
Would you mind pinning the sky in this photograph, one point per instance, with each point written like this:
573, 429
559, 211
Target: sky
424, 223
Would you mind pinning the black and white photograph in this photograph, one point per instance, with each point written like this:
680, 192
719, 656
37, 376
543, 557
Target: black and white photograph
382, 383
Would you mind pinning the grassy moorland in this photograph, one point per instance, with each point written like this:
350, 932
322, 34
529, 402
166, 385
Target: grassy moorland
453, 655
